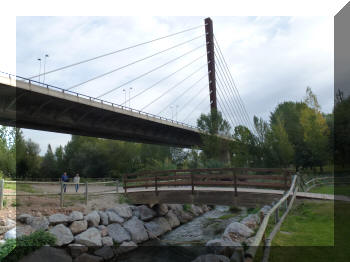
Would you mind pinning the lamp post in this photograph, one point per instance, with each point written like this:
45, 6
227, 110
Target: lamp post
46, 56
124, 91
39, 59
130, 88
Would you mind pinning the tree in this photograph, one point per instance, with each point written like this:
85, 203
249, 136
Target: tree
214, 148
48, 168
243, 147
282, 148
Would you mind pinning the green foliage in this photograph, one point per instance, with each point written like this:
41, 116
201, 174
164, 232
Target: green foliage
24, 245
187, 207
123, 199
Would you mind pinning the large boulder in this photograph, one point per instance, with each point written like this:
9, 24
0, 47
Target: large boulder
118, 233
76, 215
237, 232
39, 223
136, 229
161, 209
126, 247
265, 209
58, 219
157, 227
172, 219
107, 241
77, 249
114, 217
106, 252
47, 253
122, 210
11, 234
90, 237
252, 221
63, 234
211, 258
24, 230
221, 246
196, 210
78, 226
88, 258
103, 217
103, 230
145, 213
25, 218
93, 219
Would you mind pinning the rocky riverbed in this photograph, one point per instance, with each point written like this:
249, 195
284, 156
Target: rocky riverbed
166, 232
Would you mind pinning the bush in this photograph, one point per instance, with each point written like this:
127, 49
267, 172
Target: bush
13, 250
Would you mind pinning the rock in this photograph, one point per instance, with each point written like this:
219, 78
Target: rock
93, 219
205, 208
172, 219
122, 210
237, 256
25, 218
250, 240
76, 215
126, 247
157, 227
251, 221
265, 209
177, 207
146, 214
24, 230
39, 223
183, 216
62, 233
90, 237
78, 226
88, 258
136, 229
114, 218
196, 210
103, 230
77, 249
118, 233
237, 232
2, 241
220, 246
106, 252
47, 253
104, 218
11, 234
161, 209
58, 219
107, 241
211, 258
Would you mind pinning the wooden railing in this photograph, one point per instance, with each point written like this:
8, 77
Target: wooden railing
210, 177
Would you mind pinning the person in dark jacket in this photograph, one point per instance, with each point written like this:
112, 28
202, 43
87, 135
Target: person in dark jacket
64, 179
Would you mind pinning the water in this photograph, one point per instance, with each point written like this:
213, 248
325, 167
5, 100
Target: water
187, 241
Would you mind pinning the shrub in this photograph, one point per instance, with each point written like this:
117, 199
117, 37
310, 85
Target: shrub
14, 249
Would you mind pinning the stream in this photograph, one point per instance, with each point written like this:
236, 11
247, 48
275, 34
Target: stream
187, 241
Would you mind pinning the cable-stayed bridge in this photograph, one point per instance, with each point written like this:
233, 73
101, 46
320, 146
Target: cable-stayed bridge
198, 66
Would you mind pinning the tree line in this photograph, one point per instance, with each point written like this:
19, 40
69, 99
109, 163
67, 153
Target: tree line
297, 135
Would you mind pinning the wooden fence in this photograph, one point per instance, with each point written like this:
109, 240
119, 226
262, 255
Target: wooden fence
206, 177
60, 186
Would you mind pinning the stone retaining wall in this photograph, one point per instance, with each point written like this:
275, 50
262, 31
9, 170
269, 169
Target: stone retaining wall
104, 234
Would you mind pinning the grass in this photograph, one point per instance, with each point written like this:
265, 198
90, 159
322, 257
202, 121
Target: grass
307, 234
331, 189
227, 216
21, 187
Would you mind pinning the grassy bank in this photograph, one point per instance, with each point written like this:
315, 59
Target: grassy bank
313, 231
331, 189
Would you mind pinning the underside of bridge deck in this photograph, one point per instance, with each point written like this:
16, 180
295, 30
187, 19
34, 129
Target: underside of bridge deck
37, 107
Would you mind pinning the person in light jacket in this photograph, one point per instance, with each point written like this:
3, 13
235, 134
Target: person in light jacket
76, 182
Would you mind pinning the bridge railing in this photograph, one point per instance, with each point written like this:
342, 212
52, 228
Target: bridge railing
209, 177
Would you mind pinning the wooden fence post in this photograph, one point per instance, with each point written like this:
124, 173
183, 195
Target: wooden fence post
192, 184
156, 184
125, 188
86, 193
61, 194
117, 186
2, 182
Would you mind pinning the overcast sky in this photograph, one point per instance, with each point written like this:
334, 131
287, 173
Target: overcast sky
272, 59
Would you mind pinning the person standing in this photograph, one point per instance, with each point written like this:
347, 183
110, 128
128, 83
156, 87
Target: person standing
76, 182
64, 179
